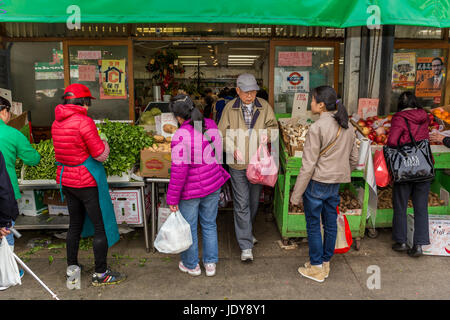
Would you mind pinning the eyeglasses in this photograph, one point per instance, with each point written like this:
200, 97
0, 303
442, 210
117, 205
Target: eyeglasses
436, 65
248, 93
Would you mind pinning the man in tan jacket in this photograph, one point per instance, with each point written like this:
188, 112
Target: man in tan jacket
244, 121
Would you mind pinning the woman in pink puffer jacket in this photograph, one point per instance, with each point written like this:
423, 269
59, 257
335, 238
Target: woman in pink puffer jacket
195, 181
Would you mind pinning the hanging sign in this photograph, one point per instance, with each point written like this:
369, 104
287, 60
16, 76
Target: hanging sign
112, 80
295, 59
404, 70
295, 81
89, 55
300, 105
429, 76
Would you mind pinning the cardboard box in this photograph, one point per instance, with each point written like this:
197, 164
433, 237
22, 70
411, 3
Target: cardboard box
19, 122
155, 164
57, 210
439, 226
53, 197
166, 124
31, 203
127, 205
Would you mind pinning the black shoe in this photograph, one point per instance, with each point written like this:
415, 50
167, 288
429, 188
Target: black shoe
109, 277
400, 247
415, 251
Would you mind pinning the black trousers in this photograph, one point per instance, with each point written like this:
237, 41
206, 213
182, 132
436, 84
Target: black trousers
80, 201
419, 195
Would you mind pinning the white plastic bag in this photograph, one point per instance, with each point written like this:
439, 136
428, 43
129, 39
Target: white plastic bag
175, 235
9, 272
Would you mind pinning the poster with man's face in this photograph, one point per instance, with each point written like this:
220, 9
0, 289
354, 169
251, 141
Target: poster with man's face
430, 76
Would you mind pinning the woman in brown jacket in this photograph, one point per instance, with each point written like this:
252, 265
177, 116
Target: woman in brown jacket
329, 156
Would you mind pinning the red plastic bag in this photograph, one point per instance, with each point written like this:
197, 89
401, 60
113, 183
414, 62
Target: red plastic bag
382, 176
262, 170
344, 238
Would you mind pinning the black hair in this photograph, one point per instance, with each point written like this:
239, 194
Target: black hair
182, 106
223, 93
207, 90
328, 96
5, 104
262, 94
407, 100
85, 101
437, 58
232, 92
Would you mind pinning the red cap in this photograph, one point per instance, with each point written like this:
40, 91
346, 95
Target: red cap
77, 90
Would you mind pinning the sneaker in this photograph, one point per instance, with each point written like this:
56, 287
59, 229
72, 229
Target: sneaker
314, 273
325, 265
254, 240
247, 255
193, 272
109, 277
210, 269
21, 273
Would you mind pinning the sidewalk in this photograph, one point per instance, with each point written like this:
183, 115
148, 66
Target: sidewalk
273, 274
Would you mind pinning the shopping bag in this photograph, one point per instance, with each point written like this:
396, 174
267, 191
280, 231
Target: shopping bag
344, 238
382, 176
262, 170
175, 235
344, 235
9, 272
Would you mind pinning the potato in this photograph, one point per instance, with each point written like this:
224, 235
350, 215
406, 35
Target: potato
169, 128
158, 138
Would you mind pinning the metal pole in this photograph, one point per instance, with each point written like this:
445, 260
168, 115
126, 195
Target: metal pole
34, 276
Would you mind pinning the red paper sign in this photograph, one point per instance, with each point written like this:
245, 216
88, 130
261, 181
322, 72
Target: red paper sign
86, 73
367, 107
89, 55
295, 59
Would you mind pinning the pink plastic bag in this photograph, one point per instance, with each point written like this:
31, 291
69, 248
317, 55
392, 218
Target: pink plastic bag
262, 170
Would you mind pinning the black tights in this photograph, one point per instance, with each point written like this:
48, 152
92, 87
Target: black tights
80, 201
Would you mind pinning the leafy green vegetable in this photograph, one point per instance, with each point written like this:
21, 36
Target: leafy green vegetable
46, 169
19, 164
125, 143
50, 259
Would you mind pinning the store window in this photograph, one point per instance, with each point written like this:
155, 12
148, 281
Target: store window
37, 77
417, 32
299, 69
104, 70
422, 71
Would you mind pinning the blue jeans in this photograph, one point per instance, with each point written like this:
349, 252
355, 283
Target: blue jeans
10, 237
321, 200
204, 209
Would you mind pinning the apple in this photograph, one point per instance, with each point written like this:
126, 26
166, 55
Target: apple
366, 131
436, 126
383, 138
379, 139
380, 130
369, 123
361, 123
371, 136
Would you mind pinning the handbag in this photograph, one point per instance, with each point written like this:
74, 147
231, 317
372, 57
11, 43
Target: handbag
410, 162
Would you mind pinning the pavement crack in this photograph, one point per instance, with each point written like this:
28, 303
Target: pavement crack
356, 277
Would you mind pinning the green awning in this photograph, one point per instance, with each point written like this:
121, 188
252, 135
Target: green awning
331, 13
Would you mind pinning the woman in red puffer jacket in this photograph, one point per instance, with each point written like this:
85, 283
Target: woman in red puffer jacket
410, 110
75, 139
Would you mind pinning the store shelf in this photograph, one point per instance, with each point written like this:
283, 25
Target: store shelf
40, 222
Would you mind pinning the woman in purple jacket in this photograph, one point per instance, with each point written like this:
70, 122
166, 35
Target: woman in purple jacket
410, 110
195, 181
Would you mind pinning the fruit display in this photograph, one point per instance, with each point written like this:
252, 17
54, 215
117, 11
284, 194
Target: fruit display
441, 114
385, 199
377, 128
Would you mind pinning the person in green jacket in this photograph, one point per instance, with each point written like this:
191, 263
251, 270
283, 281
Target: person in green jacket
13, 145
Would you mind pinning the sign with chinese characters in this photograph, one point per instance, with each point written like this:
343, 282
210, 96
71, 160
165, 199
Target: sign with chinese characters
295, 59
404, 70
295, 81
300, 104
89, 55
86, 72
112, 79
430, 77
367, 107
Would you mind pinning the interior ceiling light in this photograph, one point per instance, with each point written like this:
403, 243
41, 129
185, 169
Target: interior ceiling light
242, 56
189, 57
241, 59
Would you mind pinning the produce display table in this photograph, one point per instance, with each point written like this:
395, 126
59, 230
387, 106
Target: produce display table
153, 182
293, 225
62, 222
441, 156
